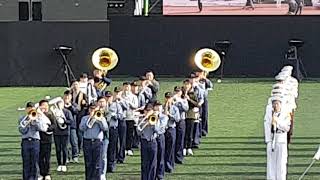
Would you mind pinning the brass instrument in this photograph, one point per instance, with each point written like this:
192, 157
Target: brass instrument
104, 59
98, 115
147, 120
207, 60
29, 118
57, 112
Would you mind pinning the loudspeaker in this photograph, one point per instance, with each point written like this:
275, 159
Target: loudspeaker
9, 10
74, 10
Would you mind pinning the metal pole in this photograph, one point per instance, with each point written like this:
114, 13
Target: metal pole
30, 9
305, 172
146, 7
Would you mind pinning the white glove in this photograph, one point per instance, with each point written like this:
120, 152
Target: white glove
317, 155
60, 120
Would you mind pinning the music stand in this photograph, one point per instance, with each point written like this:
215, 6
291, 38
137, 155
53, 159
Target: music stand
222, 47
64, 51
294, 58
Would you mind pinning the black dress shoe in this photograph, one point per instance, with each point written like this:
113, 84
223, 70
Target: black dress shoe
110, 170
179, 162
195, 146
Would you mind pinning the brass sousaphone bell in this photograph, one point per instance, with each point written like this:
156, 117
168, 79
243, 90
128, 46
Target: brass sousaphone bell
104, 59
207, 60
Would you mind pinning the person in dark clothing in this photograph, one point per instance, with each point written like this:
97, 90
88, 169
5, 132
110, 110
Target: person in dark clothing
46, 140
153, 84
73, 138
79, 99
248, 5
101, 82
299, 7
61, 134
30, 145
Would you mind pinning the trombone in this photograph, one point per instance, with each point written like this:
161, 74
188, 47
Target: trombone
148, 120
98, 116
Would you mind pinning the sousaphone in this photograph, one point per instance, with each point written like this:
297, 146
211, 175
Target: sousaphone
207, 60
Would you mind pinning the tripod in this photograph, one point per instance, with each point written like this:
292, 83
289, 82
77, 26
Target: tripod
294, 59
222, 47
63, 51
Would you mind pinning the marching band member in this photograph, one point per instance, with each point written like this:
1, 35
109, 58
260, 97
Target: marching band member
207, 85
113, 133
92, 142
199, 91
103, 104
83, 83
61, 135
122, 107
145, 90
173, 114
153, 85
135, 87
192, 115
163, 121
73, 137
183, 107
290, 84
29, 128
116, 110
293, 92
46, 140
276, 126
91, 91
132, 100
149, 147
79, 99
100, 82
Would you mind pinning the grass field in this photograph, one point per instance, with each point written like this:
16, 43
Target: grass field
234, 148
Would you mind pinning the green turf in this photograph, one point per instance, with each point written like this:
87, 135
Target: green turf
234, 148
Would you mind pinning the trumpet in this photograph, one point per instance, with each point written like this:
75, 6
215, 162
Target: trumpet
29, 118
148, 120
98, 115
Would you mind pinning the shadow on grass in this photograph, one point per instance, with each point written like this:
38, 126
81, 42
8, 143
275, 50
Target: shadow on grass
256, 137
10, 142
256, 142
246, 164
10, 155
10, 135
137, 173
249, 149
247, 155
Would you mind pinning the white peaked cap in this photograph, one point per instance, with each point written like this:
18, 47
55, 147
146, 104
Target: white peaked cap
286, 72
281, 86
277, 98
280, 92
282, 76
287, 68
